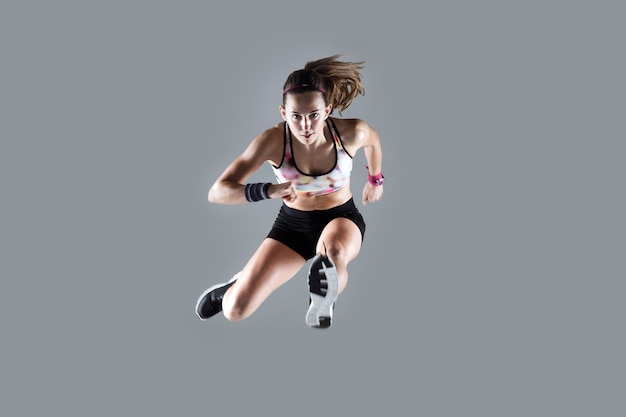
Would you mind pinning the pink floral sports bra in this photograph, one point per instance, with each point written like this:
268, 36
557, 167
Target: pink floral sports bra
312, 185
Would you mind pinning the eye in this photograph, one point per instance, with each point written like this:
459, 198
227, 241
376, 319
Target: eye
295, 116
315, 115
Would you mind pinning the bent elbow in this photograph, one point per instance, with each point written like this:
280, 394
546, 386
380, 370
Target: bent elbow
212, 197
222, 193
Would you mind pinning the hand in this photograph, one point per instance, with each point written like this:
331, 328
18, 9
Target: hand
372, 193
286, 191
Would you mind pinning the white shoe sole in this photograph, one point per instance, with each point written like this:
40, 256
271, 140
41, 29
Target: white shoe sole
320, 311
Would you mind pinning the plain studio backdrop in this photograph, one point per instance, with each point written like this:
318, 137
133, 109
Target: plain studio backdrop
491, 280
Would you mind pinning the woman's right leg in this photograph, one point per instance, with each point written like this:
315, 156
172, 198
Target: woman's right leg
272, 265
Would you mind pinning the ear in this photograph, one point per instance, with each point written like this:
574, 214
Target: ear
283, 112
328, 111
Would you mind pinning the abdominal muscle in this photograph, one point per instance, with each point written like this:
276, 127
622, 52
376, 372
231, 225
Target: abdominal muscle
323, 201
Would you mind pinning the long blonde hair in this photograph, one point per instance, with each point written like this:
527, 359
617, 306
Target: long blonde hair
338, 81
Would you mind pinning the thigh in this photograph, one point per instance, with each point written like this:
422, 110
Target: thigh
271, 266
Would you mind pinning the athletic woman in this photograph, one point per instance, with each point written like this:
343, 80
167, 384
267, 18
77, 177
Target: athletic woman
311, 155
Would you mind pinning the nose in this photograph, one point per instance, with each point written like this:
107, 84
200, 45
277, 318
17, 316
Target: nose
305, 123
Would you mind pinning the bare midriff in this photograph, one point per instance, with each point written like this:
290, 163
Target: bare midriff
322, 202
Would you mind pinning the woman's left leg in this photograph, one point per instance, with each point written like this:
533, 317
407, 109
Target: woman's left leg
341, 242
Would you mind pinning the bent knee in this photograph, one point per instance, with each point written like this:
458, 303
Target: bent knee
237, 308
235, 312
336, 252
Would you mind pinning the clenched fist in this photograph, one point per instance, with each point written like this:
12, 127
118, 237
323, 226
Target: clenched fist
286, 191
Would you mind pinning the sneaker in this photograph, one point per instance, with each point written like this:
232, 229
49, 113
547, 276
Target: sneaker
323, 292
210, 302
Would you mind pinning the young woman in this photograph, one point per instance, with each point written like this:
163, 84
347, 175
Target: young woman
311, 155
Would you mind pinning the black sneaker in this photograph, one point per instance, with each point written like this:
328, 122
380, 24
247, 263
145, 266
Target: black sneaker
323, 292
210, 302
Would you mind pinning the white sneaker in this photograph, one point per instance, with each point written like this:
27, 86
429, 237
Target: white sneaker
323, 292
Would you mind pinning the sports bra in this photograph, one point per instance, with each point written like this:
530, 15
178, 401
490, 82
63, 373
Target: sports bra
312, 185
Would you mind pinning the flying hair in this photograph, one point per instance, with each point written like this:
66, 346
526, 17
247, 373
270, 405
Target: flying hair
338, 81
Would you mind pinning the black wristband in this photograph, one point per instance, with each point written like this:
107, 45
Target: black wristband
257, 191
265, 190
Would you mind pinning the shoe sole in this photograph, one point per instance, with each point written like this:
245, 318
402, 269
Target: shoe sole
321, 307
207, 291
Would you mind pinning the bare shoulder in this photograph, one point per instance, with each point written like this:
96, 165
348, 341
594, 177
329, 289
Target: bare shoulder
268, 145
354, 133
272, 134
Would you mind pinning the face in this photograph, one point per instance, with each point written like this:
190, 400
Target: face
305, 114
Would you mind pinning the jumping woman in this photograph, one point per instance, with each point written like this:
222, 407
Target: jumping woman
311, 155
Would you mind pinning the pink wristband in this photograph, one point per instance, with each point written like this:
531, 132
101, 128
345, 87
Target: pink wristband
377, 179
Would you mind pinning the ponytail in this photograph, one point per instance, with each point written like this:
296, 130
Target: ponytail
338, 81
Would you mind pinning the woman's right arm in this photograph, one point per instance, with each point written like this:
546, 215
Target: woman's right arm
229, 188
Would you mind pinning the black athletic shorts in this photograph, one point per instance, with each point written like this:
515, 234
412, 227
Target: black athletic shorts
300, 230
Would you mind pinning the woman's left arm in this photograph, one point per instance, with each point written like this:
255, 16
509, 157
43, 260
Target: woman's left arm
370, 141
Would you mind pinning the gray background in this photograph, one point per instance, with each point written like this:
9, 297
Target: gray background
491, 282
